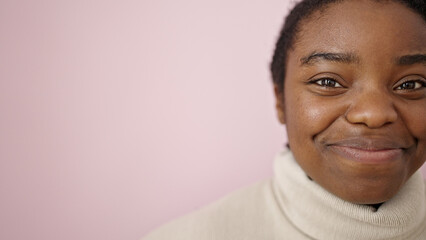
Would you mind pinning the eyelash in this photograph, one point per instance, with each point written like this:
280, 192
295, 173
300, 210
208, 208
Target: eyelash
326, 82
415, 84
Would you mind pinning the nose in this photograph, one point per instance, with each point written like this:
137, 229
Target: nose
373, 109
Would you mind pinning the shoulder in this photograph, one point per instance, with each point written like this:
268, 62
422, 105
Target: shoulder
234, 216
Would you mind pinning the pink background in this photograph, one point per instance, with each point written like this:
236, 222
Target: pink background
117, 116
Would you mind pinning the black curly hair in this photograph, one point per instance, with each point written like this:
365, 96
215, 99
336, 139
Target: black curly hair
304, 10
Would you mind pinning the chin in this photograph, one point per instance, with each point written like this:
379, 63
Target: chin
370, 193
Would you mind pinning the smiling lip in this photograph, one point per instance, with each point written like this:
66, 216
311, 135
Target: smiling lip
368, 150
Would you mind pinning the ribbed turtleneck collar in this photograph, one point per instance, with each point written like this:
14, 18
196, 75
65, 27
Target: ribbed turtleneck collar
321, 215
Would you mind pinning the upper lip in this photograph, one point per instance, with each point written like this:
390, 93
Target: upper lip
369, 143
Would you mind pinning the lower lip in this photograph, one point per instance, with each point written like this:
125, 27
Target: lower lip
367, 156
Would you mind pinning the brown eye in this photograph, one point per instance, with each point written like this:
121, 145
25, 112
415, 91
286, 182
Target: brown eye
328, 82
411, 85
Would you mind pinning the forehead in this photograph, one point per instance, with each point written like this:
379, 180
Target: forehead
388, 28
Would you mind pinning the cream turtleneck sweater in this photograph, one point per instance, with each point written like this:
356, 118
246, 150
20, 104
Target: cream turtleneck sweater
290, 206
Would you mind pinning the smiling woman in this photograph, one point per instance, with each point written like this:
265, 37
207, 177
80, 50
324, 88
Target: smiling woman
355, 106
350, 84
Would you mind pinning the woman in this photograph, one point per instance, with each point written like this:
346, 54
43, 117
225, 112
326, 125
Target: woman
350, 86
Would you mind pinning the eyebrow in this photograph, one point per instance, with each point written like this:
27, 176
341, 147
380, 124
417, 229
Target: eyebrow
332, 57
411, 59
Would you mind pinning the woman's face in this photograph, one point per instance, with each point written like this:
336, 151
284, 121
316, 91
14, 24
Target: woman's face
355, 98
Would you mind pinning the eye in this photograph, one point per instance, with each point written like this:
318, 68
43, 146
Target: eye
411, 85
327, 82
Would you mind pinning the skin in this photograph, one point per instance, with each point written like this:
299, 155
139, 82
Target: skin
355, 116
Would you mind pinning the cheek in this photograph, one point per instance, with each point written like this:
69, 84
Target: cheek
308, 115
315, 113
414, 117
